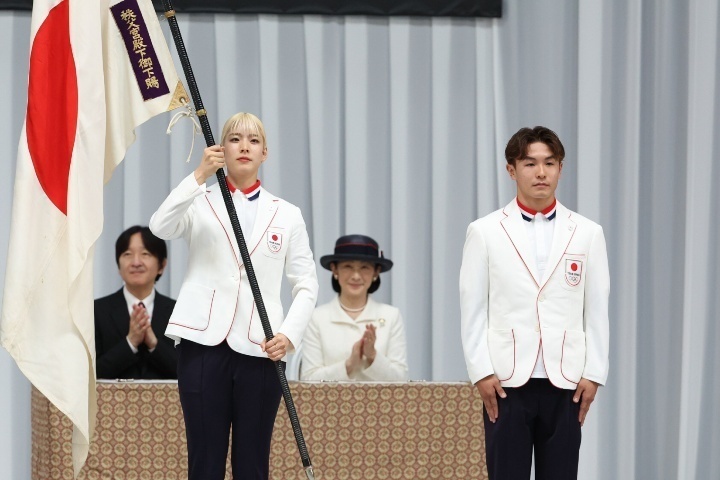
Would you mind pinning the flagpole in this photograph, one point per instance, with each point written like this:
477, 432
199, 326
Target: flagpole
245, 255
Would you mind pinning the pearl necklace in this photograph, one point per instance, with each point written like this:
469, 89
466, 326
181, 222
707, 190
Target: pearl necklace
352, 310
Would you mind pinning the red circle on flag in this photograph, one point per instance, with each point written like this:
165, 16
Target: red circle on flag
274, 237
52, 108
573, 267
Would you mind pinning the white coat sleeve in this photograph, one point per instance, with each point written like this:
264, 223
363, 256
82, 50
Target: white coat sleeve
174, 216
595, 311
302, 275
313, 366
474, 297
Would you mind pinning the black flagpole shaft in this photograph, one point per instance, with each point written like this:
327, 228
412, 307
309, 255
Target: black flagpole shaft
209, 140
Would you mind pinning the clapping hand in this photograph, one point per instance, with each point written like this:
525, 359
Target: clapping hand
354, 363
139, 325
368, 343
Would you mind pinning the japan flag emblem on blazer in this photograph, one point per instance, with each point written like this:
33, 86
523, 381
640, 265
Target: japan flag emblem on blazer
274, 241
573, 272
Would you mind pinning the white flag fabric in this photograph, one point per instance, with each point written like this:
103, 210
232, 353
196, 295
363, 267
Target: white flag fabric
98, 69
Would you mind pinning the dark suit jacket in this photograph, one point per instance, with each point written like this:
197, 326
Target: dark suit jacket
115, 358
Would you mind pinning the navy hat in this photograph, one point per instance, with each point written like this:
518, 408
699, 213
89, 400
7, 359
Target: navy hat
357, 247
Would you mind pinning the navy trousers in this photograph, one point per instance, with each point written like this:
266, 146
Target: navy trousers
220, 388
535, 416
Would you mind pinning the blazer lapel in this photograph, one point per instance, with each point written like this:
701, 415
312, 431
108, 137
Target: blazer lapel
267, 208
217, 204
369, 313
514, 226
564, 231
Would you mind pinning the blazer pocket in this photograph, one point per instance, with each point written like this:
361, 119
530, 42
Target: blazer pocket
572, 363
502, 352
274, 256
194, 307
275, 316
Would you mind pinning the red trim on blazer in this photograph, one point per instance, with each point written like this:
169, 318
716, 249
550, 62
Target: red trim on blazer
236, 261
237, 303
212, 302
224, 230
240, 266
563, 254
561, 361
516, 249
537, 312
514, 358
256, 245
266, 229
252, 314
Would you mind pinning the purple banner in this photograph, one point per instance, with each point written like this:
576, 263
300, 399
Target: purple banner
141, 53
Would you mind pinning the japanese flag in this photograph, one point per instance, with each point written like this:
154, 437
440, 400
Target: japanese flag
98, 69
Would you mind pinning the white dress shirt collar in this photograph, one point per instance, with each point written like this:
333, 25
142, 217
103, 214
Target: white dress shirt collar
131, 300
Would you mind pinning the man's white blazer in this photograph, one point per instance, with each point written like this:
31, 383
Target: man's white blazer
215, 301
508, 313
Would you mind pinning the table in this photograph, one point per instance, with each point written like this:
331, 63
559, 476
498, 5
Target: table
414, 431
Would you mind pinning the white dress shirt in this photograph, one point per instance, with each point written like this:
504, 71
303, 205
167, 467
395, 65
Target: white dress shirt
245, 206
540, 227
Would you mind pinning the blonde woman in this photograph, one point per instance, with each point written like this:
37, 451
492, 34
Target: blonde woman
226, 375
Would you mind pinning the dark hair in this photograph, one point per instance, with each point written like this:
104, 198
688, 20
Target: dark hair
518, 144
336, 285
156, 246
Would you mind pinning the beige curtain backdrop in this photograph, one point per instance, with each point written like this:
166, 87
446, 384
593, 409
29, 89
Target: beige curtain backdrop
395, 127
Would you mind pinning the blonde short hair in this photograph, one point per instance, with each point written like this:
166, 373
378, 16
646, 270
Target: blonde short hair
246, 122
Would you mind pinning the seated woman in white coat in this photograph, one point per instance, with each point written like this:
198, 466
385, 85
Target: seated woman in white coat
353, 337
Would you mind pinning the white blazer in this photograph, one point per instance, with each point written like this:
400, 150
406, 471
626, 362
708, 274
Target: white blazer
332, 333
215, 301
508, 313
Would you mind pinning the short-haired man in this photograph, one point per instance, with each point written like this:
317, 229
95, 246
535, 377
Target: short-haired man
130, 324
534, 287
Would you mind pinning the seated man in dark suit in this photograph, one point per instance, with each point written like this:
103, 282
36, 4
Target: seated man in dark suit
130, 324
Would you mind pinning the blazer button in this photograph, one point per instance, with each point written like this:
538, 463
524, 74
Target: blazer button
235, 276
542, 298
537, 327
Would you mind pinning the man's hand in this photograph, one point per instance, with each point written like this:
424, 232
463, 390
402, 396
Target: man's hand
150, 339
585, 391
139, 324
489, 388
276, 348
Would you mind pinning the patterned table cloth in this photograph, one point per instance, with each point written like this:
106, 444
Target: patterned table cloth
363, 431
